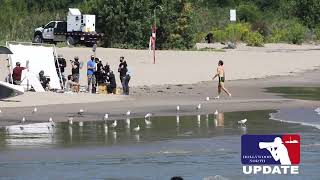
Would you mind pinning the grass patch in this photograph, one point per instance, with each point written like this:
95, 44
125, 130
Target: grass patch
304, 93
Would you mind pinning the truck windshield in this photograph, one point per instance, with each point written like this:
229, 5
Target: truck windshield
50, 25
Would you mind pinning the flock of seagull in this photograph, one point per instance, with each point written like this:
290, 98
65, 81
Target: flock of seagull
147, 118
128, 121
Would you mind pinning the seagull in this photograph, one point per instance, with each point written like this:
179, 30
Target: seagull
106, 116
317, 110
114, 124
207, 98
80, 123
148, 122
128, 113
51, 121
216, 112
136, 128
148, 116
242, 122
178, 108
70, 120
23, 120
80, 111
34, 110
199, 107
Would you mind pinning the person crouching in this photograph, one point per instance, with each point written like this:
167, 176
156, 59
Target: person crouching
71, 85
112, 85
44, 80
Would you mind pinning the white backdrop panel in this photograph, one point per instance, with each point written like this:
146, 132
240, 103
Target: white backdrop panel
40, 58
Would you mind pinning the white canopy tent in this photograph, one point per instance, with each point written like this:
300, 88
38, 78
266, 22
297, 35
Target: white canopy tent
40, 58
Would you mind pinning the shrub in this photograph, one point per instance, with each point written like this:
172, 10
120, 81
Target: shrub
254, 39
219, 35
199, 37
290, 31
296, 33
237, 32
317, 32
261, 27
175, 41
277, 35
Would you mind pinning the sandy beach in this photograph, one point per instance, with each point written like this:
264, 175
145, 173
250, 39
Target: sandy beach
176, 142
179, 78
189, 67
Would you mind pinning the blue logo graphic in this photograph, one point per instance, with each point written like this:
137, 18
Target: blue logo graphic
270, 149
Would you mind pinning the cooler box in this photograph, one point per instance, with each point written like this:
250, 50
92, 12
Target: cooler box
102, 89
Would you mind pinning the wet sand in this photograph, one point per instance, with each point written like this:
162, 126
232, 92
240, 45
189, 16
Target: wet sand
162, 101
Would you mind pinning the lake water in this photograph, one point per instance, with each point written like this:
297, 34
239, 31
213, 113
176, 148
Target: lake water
193, 147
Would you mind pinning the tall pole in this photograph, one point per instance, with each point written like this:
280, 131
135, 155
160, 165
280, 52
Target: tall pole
154, 40
155, 32
154, 15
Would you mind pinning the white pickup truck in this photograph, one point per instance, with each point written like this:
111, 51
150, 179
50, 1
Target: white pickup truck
78, 29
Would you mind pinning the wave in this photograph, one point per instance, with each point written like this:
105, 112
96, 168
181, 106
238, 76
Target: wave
272, 117
174, 152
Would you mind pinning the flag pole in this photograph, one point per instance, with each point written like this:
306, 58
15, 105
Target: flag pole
154, 35
154, 45
154, 32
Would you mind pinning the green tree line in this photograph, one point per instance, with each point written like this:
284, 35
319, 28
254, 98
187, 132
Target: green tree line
180, 23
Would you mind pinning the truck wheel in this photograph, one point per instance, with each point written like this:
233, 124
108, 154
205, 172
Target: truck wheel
37, 38
70, 41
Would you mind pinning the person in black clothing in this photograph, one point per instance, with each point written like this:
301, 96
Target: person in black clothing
99, 65
122, 68
75, 69
125, 82
61, 64
99, 73
107, 68
101, 77
112, 82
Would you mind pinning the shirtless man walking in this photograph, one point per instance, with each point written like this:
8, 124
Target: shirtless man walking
221, 75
